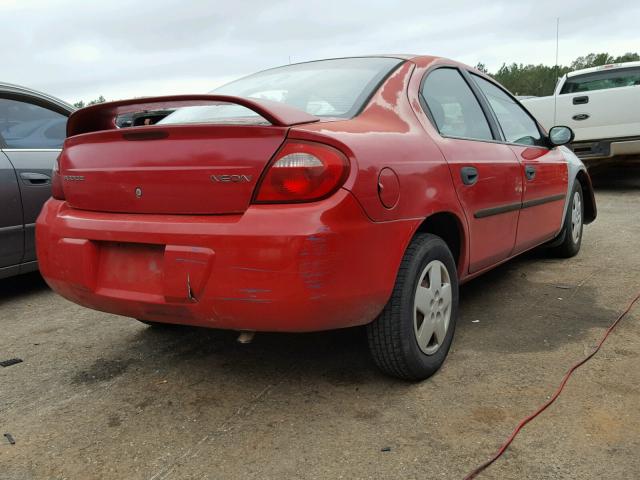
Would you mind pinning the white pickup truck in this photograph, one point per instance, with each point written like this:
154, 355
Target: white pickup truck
601, 105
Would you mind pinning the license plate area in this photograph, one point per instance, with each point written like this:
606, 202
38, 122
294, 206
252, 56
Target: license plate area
133, 267
169, 273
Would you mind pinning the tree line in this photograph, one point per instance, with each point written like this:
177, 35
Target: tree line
81, 103
540, 80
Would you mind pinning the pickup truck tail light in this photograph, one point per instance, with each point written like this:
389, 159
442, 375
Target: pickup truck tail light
56, 181
302, 172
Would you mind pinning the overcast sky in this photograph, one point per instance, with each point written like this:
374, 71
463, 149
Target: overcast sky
79, 49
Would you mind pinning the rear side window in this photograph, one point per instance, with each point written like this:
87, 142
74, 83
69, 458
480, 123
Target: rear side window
602, 80
24, 125
516, 124
453, 106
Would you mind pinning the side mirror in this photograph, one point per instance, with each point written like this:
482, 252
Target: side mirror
560, 135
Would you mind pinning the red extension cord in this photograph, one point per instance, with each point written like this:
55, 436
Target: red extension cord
522, 423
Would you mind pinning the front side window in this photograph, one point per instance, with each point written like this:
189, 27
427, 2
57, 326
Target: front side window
602, 80
326, 88
453, 106
25, 125
516, 124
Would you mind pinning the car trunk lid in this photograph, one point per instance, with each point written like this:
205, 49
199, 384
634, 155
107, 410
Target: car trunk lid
174, 168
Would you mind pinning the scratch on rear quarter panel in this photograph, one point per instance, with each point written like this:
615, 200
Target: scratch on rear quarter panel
315, 264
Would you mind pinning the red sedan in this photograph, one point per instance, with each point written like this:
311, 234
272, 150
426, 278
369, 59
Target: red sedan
321, 195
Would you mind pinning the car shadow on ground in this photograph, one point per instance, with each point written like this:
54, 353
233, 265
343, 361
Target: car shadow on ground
529, 317
616, 177
21, 286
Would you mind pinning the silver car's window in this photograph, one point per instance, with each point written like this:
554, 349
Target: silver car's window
24, 125
326, 88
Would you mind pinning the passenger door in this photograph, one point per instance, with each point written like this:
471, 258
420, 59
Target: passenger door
33, 136
545, 170
486, 174
11, 227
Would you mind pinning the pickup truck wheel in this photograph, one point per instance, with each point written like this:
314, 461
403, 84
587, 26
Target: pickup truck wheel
411, 337
573, 224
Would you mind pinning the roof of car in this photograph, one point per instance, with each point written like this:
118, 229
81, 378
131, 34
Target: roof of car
609, 66
40, 97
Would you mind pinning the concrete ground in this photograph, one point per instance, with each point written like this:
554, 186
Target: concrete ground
101, 396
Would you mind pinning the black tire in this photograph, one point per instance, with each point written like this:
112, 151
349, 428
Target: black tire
392, 337
570, 246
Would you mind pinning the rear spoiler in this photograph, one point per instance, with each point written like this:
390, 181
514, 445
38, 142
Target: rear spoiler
102, 116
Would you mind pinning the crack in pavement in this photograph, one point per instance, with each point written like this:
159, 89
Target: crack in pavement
243, 410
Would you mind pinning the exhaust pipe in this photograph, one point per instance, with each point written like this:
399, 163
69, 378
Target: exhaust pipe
246, 337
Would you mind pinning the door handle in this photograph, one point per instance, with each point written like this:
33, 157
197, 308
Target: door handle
530, 172
580, 100
469, 175
33, 178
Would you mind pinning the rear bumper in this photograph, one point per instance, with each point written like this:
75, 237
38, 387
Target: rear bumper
607, 148
274, 268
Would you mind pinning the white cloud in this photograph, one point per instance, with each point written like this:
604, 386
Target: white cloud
76, 49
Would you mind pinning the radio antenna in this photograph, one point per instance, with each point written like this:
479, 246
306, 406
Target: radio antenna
555, 97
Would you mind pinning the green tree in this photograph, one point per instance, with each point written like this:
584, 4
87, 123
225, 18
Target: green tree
81, 104
627, 57
100, 99
482, 67
597, 59
540, 80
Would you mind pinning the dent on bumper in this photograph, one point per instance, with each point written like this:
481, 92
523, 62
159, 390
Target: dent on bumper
275, 268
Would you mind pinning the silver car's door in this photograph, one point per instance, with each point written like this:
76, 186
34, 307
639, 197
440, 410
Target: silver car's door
33, 137
11, 227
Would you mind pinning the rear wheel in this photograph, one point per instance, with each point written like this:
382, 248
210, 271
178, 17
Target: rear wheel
573, 225
411, 337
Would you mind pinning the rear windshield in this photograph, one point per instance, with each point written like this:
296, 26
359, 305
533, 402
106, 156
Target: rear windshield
602, 80
326, 88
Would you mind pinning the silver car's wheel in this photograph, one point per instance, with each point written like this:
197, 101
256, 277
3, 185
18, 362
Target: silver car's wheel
432, 307
576, 217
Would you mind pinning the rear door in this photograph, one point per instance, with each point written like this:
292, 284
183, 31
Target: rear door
602, 104
544, 170
486, 173
33, 137
11, 227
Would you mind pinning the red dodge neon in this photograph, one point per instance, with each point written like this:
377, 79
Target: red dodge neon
315, 196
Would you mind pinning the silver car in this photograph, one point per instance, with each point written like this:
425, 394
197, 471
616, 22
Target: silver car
32, 129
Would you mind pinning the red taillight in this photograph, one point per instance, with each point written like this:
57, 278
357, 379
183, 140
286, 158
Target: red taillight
303, 172
56, 181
